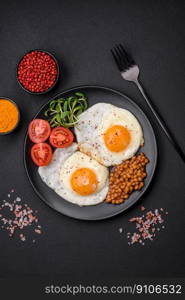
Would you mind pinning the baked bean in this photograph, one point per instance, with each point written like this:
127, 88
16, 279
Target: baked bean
126, 178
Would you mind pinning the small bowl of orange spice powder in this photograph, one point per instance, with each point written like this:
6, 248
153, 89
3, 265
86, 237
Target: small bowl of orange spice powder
9, 116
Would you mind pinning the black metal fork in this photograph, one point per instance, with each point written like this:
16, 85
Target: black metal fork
130, 71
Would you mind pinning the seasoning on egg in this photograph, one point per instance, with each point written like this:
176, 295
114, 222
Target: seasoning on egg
9, 116
37, 71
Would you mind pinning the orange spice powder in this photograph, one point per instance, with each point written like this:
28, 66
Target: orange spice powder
9, 116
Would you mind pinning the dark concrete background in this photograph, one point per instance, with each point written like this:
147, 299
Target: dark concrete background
80, 34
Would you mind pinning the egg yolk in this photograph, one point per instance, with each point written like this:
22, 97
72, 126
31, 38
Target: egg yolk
117, 138
84, 181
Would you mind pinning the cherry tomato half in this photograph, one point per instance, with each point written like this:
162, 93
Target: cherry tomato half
39, 130
61, 137
41, 154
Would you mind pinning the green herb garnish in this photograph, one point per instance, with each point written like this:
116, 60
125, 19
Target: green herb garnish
65, 111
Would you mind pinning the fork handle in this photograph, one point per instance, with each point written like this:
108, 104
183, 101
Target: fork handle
161, 122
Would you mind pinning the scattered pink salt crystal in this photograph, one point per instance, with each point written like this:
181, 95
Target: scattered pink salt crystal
22, 237
146, 226
21, 216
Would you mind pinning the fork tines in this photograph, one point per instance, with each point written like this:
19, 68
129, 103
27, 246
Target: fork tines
123, 60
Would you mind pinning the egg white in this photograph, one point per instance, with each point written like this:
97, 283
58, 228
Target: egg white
92, 125
57, 175
51, 174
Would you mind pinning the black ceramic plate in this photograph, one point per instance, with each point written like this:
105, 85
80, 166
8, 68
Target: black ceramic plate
101, 211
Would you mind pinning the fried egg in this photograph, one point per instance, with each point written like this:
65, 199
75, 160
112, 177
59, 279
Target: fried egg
76, 177
108, 134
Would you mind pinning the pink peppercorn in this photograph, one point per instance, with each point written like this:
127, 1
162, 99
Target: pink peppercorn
37, 71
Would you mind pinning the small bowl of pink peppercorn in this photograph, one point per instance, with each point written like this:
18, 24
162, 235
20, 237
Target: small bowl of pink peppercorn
37, 72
